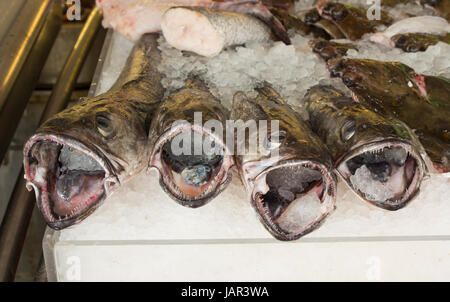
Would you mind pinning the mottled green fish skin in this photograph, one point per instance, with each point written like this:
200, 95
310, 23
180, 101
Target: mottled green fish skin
114, 125
414, 42
299, 144
332, 114
182, 105
390, 89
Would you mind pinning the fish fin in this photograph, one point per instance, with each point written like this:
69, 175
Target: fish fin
148, 121
276, 26
325, 90
239, 96
194, 81
266, 90
258, 10
239, 99
82, 100
244, 108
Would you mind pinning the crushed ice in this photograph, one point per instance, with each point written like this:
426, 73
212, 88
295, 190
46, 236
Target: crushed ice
374, 190
130, 206
300, 213
290, 69
395, 155
75, 160
296, 179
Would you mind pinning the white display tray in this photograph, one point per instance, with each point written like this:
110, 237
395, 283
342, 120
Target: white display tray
140, 234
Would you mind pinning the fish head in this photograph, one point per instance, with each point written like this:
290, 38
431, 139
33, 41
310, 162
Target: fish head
314, 20
353, 22
288, 171
362, 141
394, 89
413, 42
324, 49
332, 10
189, 150
376, 80
80, 155
329, 50
310, 16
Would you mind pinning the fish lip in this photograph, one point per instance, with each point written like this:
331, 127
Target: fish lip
328, 199
380, 144
110, 180
167, 184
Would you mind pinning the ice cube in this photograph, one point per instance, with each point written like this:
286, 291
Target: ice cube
300, 213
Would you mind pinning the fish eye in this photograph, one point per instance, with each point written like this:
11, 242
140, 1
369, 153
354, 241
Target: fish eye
413, 48
274, 140
338, 12
347, 81
348, 130
104, 125
350, 79
320, 46
311, 17
401, 41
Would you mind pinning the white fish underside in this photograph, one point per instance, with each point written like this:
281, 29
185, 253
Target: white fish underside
423, 24
208, 31
132, 18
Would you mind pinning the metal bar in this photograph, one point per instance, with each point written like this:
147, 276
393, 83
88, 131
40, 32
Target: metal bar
19, 92
18, 42
10, 10
15, 223
72, 68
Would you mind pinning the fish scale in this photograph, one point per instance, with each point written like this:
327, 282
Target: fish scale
301, 158
108, 130
370, 145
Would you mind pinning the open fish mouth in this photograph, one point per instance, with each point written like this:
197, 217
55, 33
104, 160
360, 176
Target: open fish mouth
194, 177
70, 180
294, 198
386, 174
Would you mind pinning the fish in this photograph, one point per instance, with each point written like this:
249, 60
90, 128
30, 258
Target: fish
392, 3
81, 155
434, 89
329, 49
288, 172
351, 21
280, 4
394, 90
414, 42
132, 18
192, 175
297, 25
441, 7
378, 157
207, 31
422, 24
313, 19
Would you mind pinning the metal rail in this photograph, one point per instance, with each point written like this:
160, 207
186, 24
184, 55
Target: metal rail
17, 217
23, 54
72, 68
